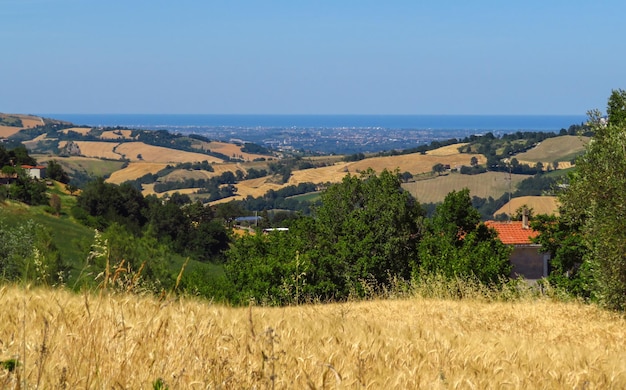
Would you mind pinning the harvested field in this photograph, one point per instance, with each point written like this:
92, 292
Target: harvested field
149, 153
96, 149
538, 204
416, 163
257, 187
30, 121
148, 189
79, 130
562, 148
185, 174
446, 150
117, 134
7, 131
547, 165
104, 341
483, 185
218, 169
135, 170
334, 174
230, 150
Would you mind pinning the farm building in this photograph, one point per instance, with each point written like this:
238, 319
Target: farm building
527, 260
35, 171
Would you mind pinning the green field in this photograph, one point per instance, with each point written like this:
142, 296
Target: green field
484, 185
308, 197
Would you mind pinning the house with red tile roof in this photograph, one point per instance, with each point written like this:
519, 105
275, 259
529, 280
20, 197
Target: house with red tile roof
527, 260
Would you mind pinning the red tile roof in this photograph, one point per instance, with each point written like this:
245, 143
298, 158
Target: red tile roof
33, 166
512, 233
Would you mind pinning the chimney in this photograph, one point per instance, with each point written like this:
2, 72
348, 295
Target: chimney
525, 218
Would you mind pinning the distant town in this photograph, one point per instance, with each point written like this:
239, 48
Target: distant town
338, 140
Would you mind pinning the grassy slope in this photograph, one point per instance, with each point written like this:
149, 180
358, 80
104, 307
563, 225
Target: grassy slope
71, 238
128, 341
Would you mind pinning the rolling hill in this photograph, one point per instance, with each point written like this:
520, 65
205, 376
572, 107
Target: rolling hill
138, 158
561, 149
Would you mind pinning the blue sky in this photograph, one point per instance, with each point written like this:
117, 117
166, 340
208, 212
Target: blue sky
310, 57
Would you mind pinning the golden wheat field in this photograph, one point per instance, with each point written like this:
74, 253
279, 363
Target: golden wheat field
538, 204
63, 340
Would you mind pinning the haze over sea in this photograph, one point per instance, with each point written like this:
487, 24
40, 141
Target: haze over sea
502, 123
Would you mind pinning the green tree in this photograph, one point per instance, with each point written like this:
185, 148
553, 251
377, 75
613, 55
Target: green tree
369, 227
457, 244
55, 172
365, 232
616, 109
595, 199
438, 168
561, 237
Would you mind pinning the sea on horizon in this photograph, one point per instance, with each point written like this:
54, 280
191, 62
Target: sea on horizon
430, 122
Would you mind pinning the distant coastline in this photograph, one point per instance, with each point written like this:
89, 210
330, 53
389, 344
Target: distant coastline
506, 123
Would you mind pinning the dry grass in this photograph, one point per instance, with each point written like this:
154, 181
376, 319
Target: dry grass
135, 170
483, 185
539, 204
62, 340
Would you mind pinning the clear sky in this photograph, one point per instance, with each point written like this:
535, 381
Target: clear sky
310, 57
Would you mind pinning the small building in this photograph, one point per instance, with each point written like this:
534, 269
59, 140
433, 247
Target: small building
526, 259
7, 178
35, 171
